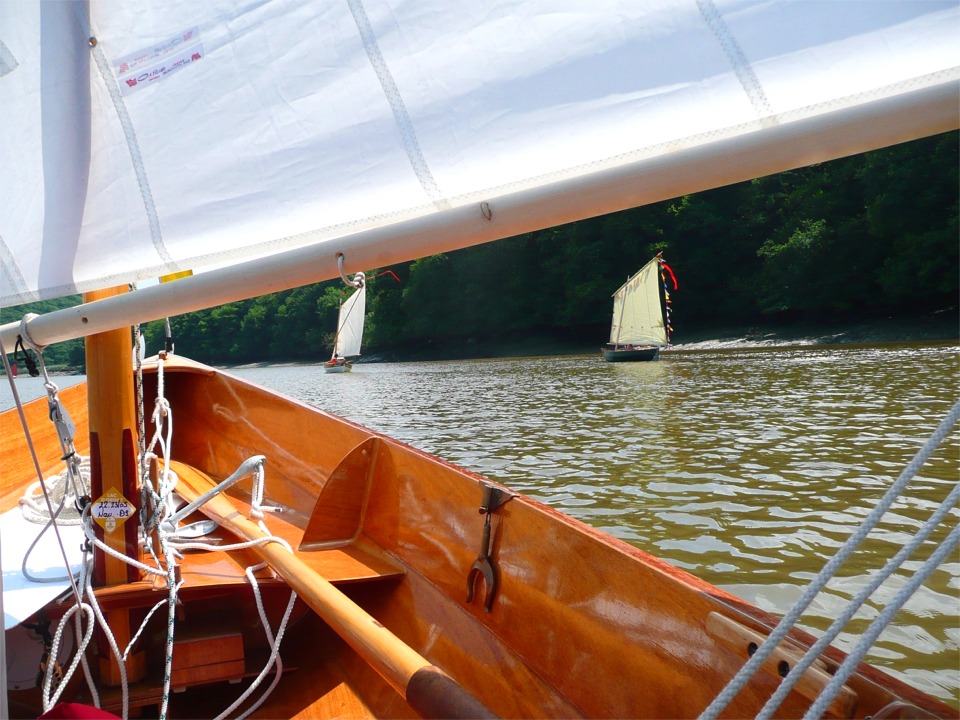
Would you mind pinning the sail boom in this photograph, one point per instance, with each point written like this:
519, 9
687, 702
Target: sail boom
874, 124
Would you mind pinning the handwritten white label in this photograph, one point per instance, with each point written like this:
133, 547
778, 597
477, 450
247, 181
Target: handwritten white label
111, 510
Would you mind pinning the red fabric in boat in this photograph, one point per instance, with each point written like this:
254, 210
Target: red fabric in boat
76, 710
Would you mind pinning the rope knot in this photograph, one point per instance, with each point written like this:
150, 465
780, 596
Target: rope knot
161, 408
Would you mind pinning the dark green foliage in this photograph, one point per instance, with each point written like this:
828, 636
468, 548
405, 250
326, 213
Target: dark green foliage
866, 236
62, 356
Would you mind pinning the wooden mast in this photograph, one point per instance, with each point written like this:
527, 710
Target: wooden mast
113, 470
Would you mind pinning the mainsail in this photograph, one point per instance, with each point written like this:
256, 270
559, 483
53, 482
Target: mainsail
141, 139
638, 311
350, 324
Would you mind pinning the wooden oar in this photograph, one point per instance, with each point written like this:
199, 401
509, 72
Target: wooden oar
427, 689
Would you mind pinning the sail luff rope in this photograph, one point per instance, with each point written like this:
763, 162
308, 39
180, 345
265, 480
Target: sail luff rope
623, 304
861, 597
789, 620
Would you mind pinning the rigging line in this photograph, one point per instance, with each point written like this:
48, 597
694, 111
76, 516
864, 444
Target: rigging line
738, 681
36, 465
400, 115
837, 626
107, 631
849, 665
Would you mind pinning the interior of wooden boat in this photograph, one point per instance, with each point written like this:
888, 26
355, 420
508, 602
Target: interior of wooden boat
561, 621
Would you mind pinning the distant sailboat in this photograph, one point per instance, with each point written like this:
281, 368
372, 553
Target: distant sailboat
640, 325
346, 346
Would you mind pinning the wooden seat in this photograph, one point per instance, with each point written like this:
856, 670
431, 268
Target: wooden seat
358, 562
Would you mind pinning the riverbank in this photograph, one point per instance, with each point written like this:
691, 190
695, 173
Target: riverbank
939, 327
943, 327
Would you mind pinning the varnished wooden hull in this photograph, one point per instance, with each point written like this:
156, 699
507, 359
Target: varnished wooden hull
580, 624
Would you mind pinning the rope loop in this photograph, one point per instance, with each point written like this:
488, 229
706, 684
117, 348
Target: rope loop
359, 278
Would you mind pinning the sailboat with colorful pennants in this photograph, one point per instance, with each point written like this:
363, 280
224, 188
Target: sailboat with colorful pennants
641, 317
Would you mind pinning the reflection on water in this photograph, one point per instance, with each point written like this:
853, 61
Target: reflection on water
747, 468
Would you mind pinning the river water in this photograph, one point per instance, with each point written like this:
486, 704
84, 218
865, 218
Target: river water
747, 467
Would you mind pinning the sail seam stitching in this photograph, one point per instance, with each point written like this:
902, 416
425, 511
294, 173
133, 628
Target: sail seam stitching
136, 158
12, 270
738, 59
392, 92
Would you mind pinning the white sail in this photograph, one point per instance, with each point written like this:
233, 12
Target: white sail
193, 135
350, 324
638, 311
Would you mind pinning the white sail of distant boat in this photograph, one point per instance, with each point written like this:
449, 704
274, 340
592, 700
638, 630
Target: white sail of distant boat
350, 319
350, 325
638, 329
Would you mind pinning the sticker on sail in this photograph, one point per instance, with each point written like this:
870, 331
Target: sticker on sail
111, 510
157, 62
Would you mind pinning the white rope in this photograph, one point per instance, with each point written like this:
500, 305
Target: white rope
849, 665
65, 431
62, 491
111, 641
746, 672
358, 278
73, 485
83, 640
50, 699
837, 626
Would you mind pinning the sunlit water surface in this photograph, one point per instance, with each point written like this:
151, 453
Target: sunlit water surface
748, 468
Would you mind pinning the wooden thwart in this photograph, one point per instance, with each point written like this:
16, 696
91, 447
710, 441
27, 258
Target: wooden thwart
427, 689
